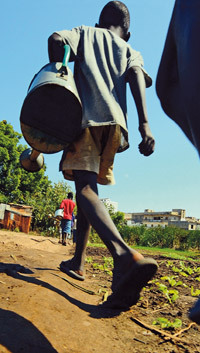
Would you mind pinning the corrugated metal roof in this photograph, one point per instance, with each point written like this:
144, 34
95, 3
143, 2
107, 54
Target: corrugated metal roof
23, 210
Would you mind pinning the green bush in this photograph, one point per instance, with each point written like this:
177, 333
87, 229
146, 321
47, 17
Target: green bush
93, 237
194, 239
132, 235
168, 237
151, 237
181, 239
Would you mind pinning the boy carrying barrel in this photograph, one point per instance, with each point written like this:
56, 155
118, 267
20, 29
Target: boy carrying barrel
104, 63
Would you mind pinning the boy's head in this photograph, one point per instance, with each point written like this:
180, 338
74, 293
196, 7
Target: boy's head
70, 196
115, 14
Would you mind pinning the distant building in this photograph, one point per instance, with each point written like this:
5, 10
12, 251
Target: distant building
110, 204
13, 216
150, 218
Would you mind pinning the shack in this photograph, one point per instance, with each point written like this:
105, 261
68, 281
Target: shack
13, 216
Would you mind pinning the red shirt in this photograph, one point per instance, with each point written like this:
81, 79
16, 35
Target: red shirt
68, 206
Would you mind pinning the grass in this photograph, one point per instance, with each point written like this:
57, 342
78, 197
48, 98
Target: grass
172, 253
96, 245
192, 255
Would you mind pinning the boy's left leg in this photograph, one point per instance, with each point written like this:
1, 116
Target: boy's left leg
64, 238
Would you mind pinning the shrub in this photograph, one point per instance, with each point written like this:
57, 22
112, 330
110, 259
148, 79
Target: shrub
181, 239
93, 237
132, 234
194, 239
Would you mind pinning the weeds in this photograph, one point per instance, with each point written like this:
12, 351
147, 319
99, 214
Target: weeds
89, 260
171, 280
102, 267
168, 325
195, 293
105, 267
171, 294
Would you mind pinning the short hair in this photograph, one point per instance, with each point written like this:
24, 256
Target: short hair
70, 195
115, 13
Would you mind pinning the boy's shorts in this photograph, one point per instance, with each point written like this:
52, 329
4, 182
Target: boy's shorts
94, 151
66, 226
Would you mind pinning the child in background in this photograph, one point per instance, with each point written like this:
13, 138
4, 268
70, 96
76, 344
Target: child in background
68, 206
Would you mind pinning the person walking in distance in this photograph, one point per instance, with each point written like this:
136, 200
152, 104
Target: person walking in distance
68, 206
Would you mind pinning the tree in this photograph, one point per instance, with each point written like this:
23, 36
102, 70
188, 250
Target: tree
20, 186
118, 220
117, 217
194, 239
16, 185
46, 204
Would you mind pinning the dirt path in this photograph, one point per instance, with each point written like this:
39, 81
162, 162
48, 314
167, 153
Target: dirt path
41, 312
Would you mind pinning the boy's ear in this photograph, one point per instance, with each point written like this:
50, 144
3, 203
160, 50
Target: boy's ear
127, 37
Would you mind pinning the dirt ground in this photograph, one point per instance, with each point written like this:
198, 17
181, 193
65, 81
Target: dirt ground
42, 312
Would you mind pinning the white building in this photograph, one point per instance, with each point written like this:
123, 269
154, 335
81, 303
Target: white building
150, 218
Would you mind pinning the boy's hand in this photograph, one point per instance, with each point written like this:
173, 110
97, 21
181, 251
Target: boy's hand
146, 147
135, 77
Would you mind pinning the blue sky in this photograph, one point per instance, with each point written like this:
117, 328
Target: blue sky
170, 178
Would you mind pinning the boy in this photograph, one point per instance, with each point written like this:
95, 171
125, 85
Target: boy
68, 206
104, 62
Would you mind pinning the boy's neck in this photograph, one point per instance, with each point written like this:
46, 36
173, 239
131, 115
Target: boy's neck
119, 32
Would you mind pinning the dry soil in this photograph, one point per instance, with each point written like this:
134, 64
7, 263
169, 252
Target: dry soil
42, 312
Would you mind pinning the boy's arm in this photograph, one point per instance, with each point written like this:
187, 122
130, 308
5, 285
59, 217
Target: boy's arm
56, 48
136, 80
